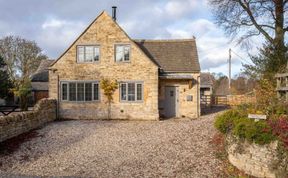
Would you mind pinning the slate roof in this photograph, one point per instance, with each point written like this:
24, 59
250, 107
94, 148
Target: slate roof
206, 79
41, 74
172, 55
39, 86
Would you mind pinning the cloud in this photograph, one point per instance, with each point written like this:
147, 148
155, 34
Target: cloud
213, 45
179, 8
55, 24
56, 35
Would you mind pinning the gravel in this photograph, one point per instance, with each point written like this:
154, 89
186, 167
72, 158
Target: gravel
170, 148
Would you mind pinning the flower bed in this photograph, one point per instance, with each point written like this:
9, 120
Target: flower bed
258, 148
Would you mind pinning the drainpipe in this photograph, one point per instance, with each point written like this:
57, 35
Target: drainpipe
198, 103
58, 96
57, 99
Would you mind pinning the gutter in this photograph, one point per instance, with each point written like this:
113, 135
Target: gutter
198, 103
58, 93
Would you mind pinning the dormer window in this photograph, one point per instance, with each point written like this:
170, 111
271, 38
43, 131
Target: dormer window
122, 53
89, 53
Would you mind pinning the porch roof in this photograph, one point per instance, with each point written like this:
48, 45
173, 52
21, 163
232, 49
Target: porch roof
178, 77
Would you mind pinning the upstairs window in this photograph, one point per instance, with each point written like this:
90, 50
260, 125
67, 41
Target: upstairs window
122, 53
131, 91
88, 53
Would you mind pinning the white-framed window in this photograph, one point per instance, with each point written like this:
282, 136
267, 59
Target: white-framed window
122, 53
80, 91
131, 91
89, 53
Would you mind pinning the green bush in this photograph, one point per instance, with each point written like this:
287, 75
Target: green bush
245, 108
236, 122
258, 132
241, 127
225, 122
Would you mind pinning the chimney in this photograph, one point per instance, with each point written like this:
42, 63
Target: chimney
114, 13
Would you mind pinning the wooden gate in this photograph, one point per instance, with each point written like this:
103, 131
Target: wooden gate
213, 100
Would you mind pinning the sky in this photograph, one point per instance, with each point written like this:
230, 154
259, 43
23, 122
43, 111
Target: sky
55, 24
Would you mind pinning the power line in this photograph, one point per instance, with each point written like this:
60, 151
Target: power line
230, 68
242, 58
209, 49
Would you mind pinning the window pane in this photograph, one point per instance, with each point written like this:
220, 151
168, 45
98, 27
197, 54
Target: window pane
64, 91
72, 91
88, 91
96, 53
126, 53
123, 91
139, 91
119, 53
80, 53
89, 53
131, 91
96, 91
80, 91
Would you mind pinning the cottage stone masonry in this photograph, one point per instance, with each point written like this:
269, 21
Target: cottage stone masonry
257, 160
15, 124
187, 108
142, 67
107, 33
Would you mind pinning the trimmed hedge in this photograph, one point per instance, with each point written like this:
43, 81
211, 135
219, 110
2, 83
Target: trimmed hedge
236, 122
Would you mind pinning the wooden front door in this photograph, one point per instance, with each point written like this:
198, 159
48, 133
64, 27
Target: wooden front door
171, 102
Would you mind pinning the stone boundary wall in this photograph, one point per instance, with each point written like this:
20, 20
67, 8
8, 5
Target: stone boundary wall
257, 160
235, 100
17, 123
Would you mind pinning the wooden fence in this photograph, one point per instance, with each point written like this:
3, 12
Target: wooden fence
226, 100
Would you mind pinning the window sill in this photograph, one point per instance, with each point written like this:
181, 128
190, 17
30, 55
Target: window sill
96, 62
132, 102
124, 62
81, 102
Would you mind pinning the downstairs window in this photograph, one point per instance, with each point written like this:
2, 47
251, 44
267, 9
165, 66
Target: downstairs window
80, 91
131, 91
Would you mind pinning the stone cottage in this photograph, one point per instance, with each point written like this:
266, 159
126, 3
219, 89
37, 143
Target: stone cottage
39, 81
206, 84
157, 78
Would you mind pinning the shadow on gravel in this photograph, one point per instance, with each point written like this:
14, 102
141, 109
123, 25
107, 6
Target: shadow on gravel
213, 109
13, 144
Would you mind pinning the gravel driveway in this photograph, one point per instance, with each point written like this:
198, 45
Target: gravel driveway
170, 148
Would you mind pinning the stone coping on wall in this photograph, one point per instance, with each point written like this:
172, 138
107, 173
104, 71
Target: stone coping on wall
257, 160
17, 123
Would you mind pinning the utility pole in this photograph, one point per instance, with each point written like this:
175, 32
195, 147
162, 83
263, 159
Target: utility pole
229, 61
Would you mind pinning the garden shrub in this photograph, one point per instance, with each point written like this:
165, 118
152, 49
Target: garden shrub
225, 122
241, 127
279, 128
258, 132
237, 123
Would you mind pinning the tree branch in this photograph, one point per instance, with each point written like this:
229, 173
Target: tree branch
246, 7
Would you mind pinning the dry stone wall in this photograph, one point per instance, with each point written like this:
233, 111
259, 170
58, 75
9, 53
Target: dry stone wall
257, 160
17, 123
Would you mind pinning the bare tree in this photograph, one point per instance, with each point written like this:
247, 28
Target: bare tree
22, 58
243, 19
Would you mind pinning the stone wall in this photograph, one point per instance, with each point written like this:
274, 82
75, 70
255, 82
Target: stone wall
235, 100
17, 123
257, 160
106, 33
